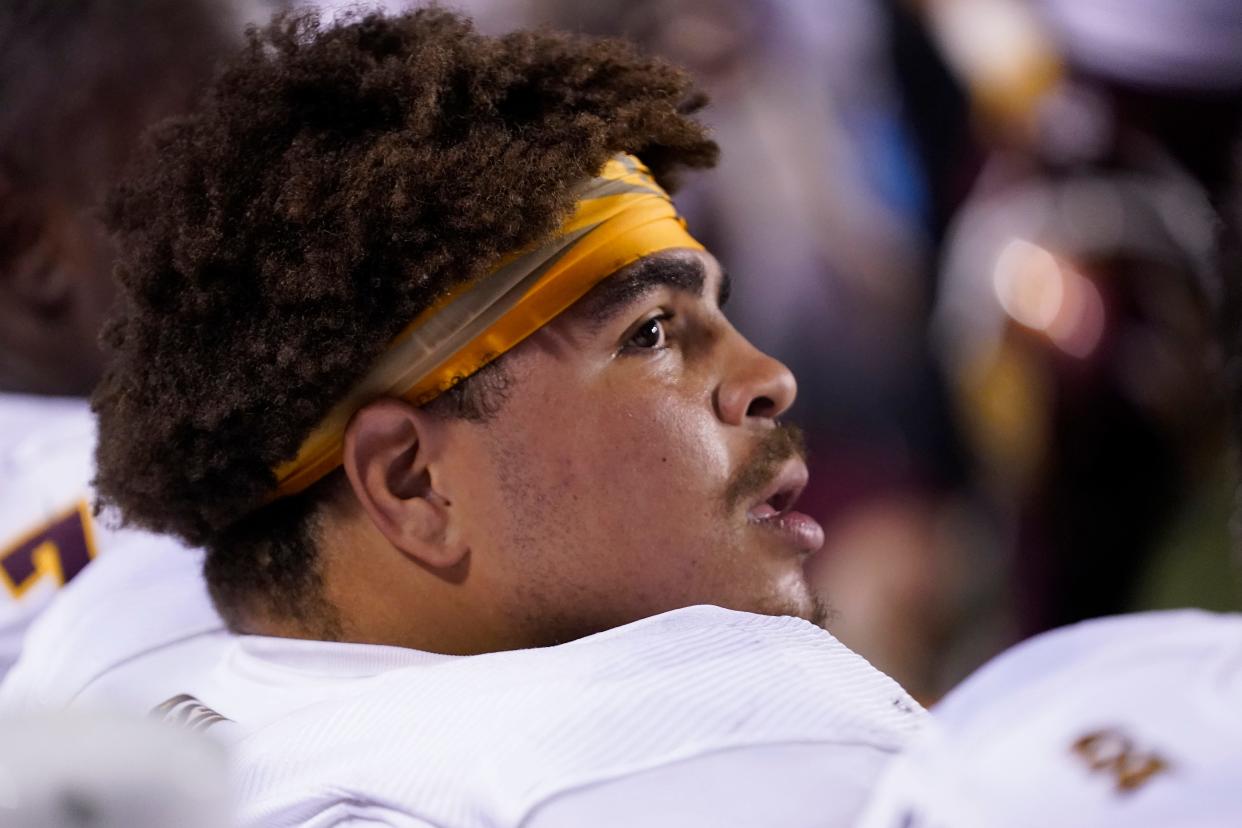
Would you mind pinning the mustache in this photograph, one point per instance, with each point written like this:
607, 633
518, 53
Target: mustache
777, 446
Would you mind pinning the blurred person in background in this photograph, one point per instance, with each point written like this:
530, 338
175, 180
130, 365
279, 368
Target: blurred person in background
78, 82
1080, 284
1090, 314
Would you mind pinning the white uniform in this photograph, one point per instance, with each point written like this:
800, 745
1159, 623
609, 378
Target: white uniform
130, 628
137, 617
1133, 720
46, 533
700, 716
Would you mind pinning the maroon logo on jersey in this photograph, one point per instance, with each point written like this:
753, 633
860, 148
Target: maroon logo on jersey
58, 550
187, 711
1112, 752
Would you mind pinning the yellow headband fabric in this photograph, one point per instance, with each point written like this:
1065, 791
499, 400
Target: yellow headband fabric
620, 216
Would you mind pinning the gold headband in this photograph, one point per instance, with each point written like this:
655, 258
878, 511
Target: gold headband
620, 216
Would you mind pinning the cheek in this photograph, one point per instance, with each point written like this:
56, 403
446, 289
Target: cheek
677, 447
607, 473
642, 459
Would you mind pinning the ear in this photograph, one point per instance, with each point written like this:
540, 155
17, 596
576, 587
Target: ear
387, 443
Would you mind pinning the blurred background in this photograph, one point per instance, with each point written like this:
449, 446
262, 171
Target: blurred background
992, 239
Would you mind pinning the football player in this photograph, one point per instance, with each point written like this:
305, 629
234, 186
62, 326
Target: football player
413, 342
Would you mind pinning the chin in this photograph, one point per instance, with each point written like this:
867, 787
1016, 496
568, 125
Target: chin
798, 602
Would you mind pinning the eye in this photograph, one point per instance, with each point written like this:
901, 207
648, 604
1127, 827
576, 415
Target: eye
649, 335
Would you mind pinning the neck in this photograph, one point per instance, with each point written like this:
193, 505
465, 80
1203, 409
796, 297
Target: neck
374, 594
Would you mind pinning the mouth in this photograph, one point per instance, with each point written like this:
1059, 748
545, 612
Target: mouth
773, 510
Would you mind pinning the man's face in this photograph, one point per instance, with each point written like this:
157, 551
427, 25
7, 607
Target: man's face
636, 465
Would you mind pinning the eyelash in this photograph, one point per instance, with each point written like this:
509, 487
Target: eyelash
664, 317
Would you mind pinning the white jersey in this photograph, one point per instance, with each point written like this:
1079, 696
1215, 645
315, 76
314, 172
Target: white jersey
47, 535
700, 716
138, 615
1133, 720
136, 623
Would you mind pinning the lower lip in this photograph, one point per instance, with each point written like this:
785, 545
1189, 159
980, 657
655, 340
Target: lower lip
798, 530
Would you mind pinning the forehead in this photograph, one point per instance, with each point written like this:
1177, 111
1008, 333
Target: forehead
693, 272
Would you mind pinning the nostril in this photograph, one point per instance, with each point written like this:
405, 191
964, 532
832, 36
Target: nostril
762, 407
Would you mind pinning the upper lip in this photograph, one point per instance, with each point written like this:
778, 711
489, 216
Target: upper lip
785, 488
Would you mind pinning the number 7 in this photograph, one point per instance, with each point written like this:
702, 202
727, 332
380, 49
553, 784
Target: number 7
58, 549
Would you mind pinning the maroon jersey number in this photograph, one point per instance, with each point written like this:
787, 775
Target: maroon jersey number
59, 549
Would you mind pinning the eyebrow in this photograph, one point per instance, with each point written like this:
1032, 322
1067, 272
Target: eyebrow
646, 276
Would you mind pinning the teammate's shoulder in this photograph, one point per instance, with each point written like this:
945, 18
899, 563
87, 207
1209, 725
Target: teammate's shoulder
1128, 720
46, 448
103, 618
32, 426
1116, 644
46, 533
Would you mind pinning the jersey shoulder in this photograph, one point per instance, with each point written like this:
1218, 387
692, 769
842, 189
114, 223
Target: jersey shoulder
101, 625
47, 535
495, 735
46, 461
1126, 645
1128, 720
43, 439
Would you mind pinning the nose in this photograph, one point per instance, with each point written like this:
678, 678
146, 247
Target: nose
755, 386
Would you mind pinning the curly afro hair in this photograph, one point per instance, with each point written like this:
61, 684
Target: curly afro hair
334, 182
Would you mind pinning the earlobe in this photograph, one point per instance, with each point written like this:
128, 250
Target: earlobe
387, 444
